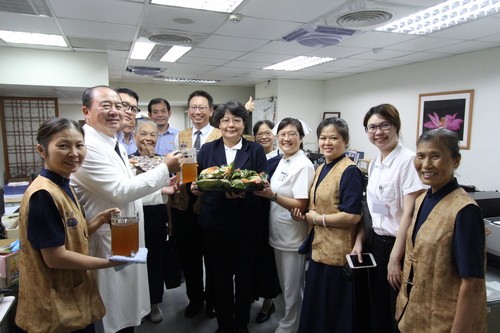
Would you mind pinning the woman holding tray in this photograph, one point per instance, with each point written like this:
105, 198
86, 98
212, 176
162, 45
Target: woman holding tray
230, 220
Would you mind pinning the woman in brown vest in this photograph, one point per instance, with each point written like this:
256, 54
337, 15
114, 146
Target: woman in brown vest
57, 292
443, 287
334, 212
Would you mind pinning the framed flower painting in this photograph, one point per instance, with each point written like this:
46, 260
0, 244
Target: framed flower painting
451, 110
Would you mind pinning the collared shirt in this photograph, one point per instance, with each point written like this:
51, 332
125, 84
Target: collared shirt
231, 152
292, 179
388, 182
130, 147
272, 154
166, 141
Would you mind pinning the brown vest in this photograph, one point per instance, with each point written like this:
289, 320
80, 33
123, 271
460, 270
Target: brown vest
433, 300
180, 200
330, 244
55, 300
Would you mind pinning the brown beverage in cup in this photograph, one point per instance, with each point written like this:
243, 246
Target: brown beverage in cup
189, 166
124, 235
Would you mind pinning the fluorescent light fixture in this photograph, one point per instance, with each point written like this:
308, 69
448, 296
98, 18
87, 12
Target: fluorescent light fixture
17, 37
175, 53
225, 6
444, 15
298, 63
142, 48
182, 80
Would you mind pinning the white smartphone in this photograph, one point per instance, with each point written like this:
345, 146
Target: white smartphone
368, 260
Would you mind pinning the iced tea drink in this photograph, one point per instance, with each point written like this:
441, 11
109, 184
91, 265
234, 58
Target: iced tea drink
189, 166
124, 235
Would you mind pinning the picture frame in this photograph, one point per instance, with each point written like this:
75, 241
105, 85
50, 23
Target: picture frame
331, 115
449, 109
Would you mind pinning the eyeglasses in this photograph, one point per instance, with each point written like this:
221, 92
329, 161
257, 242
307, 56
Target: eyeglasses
290, 135
235, 121
128, 107
202, 108
268, 134
383, 126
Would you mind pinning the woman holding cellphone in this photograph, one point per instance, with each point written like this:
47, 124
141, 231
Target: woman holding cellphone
334, 213
393, 186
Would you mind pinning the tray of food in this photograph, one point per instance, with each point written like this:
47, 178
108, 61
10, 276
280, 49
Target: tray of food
145, 163
225, 178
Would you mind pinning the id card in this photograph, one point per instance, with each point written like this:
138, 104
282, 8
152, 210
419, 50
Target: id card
379, 207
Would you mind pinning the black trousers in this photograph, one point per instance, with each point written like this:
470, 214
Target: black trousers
383, 296
155, 233
231, 263
189, 243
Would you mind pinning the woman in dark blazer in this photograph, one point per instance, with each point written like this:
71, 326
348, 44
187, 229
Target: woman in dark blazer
231, 220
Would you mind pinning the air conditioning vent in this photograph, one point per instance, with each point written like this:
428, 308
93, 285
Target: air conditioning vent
318, 36
170, 39
145, 71
29, 7
364, 18
366, 15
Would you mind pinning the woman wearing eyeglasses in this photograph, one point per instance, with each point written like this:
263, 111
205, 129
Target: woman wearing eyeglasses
393, 186
289, 189
232, 222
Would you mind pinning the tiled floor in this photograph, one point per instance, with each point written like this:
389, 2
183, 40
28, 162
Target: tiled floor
174, 303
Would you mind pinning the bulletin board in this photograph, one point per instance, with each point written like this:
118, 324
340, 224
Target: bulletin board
265, 109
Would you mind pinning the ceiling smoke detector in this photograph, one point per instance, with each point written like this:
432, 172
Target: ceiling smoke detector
235, 18
364, 18
170, 39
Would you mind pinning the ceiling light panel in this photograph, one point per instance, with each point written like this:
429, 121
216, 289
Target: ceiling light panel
298, 63
442, 16
225, 6
17, 37
175, 53
185, 80
142, 48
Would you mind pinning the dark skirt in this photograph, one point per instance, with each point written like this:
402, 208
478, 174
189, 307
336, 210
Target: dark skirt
328, 305
267, 281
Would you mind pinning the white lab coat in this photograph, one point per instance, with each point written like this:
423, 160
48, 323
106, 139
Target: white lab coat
105, 181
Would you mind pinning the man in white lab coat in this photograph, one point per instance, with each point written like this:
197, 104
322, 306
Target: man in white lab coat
106, 180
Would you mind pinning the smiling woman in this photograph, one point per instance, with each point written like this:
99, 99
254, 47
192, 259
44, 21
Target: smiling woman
233, 223
54, 237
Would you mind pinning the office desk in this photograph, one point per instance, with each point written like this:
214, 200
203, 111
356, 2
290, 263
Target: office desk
493, 299
6, 320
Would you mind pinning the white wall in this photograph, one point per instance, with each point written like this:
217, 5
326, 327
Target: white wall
353, 96
52, 68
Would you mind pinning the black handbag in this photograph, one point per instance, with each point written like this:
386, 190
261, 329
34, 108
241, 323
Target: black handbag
172, 269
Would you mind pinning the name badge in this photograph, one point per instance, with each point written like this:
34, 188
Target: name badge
380, 207
282, 176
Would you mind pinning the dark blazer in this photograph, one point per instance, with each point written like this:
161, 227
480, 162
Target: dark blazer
218, 212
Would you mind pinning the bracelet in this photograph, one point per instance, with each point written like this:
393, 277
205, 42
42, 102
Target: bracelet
314, 219
274, 197
324, 222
